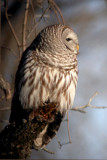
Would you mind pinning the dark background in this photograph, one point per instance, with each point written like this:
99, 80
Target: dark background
88, 18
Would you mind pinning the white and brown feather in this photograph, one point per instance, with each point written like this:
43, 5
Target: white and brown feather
47, 76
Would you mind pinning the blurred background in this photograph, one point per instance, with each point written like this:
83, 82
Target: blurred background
88, 18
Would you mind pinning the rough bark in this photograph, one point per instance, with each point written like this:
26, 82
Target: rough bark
16, 141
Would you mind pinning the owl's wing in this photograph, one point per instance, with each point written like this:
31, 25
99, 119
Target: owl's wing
17, 111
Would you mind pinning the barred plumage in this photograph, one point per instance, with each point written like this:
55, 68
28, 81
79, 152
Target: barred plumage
46, 79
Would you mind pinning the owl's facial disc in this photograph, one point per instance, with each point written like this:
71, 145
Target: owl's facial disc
70, 40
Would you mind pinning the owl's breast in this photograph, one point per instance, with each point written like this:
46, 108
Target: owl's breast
41, 84
63, 89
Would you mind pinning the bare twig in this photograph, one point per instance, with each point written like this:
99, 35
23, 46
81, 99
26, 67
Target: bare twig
10, 50
11, 27
31, 3
56, 10
5, 86
5, 108
68, 133
63, 144
80, 109
106, 3
46, 150
24, 25
58, 141
33, 14
68, 127
4, 121
0, 30
77, 109
59, 13
33, 10
46, 10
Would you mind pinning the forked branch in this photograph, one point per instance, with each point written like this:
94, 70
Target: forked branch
56, 10
81, 108
11, 27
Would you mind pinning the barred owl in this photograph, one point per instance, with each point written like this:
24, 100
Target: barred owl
46, 80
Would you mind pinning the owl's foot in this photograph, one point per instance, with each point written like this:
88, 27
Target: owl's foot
47, 112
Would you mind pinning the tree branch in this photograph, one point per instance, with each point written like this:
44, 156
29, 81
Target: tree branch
10, 51
56, 10
68, 127
24, 24
17, 141
80, 109
48, 151
34, 27
5, 86
5, 108
11, 27
34, 15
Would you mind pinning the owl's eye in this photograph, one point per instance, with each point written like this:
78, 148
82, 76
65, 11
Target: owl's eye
68, 39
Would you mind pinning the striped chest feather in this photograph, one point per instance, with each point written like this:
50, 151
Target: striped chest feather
40, 84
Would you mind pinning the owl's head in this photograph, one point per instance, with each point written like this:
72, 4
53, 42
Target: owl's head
58, 37
58, 45
70, 40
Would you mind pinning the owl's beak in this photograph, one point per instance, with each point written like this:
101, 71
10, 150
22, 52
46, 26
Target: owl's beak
77, 47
